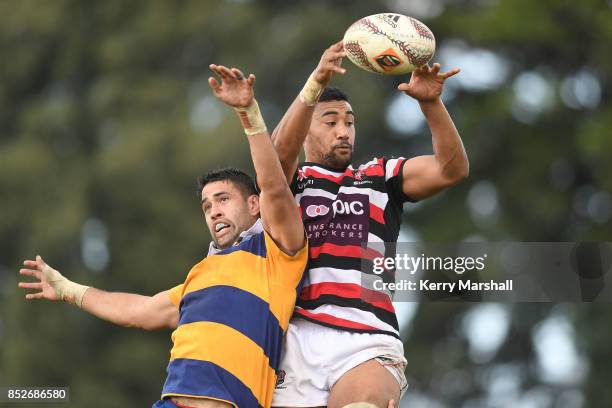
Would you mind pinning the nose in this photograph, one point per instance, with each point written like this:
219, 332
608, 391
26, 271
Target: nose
215, 211
342, 132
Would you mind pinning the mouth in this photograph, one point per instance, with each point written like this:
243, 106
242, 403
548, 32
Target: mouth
220, 227
344, 147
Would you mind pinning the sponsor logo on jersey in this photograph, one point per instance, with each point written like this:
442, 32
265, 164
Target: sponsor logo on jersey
316, 210
339, 207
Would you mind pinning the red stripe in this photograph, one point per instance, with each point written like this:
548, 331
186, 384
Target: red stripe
377, 214
349, 291
335, 321
310, 172
397, 167
351, 251
374, 171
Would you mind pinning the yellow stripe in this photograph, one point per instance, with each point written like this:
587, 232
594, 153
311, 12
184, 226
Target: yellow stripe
240, 269
175, 294
229, 349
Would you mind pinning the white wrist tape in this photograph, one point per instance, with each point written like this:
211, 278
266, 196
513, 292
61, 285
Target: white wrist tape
66, 290
311, 91
251, 119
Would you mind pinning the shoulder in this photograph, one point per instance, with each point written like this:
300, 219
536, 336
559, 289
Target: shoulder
254, 244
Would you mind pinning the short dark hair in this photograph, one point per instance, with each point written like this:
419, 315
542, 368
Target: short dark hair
239, 178
333, 94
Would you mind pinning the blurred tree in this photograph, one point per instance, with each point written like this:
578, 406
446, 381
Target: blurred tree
106, 120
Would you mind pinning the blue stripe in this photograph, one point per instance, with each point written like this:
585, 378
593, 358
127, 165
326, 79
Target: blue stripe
255, 244
202, 378
240, 310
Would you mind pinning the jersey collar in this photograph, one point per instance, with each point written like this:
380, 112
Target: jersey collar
255, 229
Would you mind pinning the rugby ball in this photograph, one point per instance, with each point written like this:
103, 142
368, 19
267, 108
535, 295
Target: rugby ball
388, 43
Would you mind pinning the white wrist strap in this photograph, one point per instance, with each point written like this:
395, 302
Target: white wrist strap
311, 91
251, 119
66, 290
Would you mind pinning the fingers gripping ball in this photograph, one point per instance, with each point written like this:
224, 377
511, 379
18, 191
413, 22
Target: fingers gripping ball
389, 44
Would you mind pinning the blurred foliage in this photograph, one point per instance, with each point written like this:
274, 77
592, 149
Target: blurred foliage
105, 115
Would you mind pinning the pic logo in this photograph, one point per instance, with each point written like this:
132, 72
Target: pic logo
338, 206
348, 207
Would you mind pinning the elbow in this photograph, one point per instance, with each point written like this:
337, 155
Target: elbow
136, 321
463, 172
131, 323
456, 175
148, 326
273, 190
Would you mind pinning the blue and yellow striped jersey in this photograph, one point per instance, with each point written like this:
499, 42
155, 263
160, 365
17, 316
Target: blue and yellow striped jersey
235, 307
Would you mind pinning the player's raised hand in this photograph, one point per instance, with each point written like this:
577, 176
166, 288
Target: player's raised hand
45, 288
330, 63
426, 83
235, 89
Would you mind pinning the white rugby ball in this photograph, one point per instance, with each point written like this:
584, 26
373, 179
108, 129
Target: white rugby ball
388, 43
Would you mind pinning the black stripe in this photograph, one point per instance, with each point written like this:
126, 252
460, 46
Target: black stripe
341, 263
334, 261
382, 314
387, 232
348, 329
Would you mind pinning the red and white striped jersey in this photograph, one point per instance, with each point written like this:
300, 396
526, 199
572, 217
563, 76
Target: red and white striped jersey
342, 210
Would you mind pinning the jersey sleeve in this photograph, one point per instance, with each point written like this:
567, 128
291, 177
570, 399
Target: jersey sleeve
176, 293
394, 179
287, 268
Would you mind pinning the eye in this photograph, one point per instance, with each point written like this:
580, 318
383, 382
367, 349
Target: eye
224, 199
332, 123
206, 208
350, 123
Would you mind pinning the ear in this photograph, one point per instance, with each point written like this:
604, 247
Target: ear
253, 203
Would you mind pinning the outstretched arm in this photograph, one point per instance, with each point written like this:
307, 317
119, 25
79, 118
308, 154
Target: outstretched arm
124, 309
278, 210
291, 131
424, 176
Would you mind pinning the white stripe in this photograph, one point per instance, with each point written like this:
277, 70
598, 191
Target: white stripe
321, 170
391, 163
372, 162
374, 238
354, 315
325, 274
376, 197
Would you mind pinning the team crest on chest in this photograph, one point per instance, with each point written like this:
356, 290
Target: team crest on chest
301, 176
360, 177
